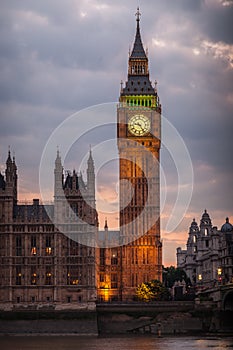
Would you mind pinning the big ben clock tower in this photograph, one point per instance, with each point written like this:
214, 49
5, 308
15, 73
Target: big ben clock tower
138, 132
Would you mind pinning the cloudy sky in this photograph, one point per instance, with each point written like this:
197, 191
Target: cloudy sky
58, 57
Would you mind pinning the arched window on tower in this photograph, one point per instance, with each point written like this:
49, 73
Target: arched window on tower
194, 239
206, 232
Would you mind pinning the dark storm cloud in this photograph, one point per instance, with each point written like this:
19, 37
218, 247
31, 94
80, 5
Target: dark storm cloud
217, 23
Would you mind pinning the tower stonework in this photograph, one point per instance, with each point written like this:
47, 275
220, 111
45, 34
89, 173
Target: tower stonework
138, 132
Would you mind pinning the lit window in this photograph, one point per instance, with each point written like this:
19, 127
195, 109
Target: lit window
48, 276
48, 245
114, 260
48, 250
33, 245
75, 282
33, 251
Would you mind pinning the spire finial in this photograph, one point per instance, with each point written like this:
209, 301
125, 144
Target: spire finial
138, 15
9, 155
106, 224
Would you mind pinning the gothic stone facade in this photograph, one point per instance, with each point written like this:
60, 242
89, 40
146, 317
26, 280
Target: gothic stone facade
40, 265
208, 259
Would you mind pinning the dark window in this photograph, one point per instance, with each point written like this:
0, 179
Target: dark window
18, 275
113, 280
18, 245
102, 256
101, 277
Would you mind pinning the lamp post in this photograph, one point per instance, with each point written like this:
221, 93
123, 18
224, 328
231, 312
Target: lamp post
200, 280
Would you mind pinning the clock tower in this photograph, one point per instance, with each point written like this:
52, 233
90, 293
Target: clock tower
138, 134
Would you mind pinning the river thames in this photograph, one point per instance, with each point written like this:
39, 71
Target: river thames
113, 343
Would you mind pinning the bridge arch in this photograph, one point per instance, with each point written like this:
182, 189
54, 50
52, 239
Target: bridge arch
227, 303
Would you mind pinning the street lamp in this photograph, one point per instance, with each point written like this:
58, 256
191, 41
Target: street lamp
219, 271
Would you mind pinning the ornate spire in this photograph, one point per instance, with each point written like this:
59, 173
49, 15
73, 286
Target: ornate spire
90, 161
138, 49
106, 224
58, 159
9, 160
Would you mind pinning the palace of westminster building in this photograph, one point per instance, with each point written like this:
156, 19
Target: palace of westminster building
40, 265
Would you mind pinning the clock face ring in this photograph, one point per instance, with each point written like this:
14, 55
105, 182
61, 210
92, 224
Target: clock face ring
139, 125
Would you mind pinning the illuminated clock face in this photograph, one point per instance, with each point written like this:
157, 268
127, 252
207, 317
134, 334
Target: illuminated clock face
139, 125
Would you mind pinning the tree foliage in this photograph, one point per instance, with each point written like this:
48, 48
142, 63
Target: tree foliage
172, 274
152, 291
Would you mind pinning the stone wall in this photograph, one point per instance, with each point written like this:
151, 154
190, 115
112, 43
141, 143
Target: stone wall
161, 318
156, 318
38, 322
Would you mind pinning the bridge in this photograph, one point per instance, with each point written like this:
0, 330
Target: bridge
220, 295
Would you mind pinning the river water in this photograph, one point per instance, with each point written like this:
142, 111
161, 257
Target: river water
113, 343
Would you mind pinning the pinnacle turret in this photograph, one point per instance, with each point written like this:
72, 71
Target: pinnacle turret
9, 160
90, 162
58, 160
